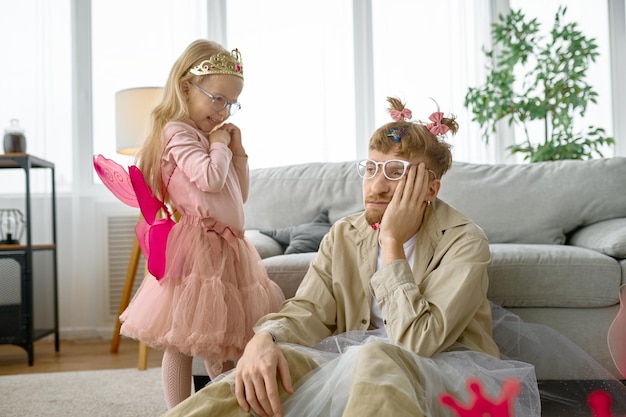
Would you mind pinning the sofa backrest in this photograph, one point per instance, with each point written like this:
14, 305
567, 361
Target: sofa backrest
539, 202
524, 203
296, 194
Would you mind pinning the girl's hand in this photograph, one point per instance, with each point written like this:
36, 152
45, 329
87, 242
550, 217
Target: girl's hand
220, 136
236, 145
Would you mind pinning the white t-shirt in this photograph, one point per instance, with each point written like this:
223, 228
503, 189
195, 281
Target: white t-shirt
376, 317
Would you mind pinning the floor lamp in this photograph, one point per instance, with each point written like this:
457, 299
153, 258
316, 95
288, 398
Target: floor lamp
132, 117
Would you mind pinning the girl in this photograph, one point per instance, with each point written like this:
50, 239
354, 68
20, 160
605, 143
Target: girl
214, 287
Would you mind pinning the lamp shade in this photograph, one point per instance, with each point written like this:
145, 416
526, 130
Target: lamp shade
132, 116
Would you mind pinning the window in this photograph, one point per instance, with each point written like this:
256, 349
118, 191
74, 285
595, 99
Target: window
298, 101
425, 51
308, 65
148, 37
592, 20
36, 87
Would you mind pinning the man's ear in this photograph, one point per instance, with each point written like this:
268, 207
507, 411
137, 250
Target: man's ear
433, 189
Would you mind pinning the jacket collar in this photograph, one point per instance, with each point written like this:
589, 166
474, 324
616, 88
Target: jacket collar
438, 218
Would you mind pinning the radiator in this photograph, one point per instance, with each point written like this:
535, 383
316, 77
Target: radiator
121, 234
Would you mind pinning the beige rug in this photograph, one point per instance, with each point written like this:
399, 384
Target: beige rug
104, 393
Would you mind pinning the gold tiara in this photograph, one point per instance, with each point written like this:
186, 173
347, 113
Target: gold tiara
220, 63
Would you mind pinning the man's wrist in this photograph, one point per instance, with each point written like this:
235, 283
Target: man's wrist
270, 334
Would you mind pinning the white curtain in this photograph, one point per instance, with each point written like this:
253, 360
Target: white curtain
36, 85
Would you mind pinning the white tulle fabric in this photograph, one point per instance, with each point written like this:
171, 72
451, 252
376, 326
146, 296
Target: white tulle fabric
526, 351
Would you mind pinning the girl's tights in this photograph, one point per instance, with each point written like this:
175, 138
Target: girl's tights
176, 376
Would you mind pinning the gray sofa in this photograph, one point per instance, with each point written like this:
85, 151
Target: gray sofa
557, 233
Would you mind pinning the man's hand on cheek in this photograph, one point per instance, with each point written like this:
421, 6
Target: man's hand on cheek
404, 213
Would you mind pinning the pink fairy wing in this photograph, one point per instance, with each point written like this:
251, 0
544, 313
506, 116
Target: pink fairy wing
153, 242
116, 179
148, 203
158, 243
617, 335
151, 232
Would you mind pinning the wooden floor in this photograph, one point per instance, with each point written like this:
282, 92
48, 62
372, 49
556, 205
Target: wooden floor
79, 355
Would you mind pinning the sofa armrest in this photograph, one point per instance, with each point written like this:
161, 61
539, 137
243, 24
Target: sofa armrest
265, 245
607, 237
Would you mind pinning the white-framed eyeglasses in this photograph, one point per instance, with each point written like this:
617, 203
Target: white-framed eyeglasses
393, 170
219, 103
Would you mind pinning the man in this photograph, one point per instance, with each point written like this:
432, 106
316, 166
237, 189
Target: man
410, 266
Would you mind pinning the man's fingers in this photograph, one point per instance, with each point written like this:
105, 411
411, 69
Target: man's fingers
251, 394
240, 394
285, 376
272, 400
257, 398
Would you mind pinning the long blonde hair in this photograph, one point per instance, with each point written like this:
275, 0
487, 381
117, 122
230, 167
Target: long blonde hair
173, 106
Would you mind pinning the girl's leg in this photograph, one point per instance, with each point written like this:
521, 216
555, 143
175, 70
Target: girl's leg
214, 369
176, 376
227, 366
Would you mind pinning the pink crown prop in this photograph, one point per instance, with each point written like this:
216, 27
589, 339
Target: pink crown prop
599, 401
483, 406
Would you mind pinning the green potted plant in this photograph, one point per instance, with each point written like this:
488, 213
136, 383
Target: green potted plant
531, 77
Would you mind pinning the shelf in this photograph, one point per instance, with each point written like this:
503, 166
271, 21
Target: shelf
17, 320
16, 160
11, 248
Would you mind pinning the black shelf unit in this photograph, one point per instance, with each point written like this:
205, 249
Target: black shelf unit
18, 321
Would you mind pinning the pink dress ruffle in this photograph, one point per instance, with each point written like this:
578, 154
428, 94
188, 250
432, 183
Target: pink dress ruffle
210, 297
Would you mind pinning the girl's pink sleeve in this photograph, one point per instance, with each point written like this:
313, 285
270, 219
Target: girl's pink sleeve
243, 173
207, 170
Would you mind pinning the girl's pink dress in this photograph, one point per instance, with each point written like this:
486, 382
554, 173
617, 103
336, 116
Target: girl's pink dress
215, 286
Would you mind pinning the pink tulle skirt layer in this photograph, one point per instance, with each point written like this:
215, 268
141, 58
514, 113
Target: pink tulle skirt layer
209, 299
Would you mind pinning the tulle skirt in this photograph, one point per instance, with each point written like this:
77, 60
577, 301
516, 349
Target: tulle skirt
214, 290
527, 350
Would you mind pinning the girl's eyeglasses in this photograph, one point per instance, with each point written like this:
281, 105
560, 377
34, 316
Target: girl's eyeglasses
219, 103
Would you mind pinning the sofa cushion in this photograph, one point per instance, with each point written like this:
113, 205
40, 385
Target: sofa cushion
265, 245
608, 237
288, 270
301, 238
539, 202
524, 275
